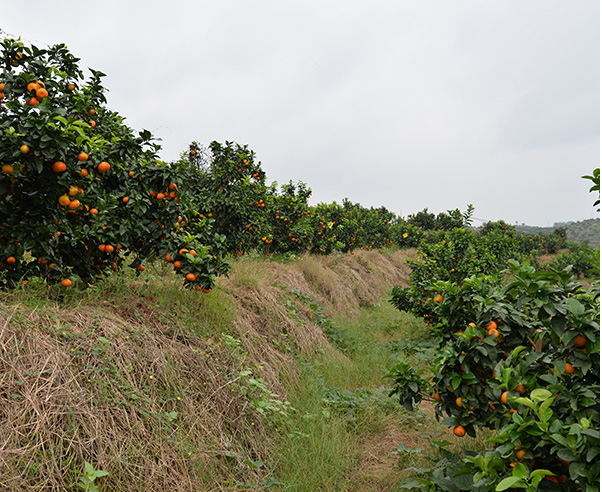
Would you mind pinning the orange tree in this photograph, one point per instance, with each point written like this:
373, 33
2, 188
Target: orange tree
522, 357
287, 228
80, 194
228, 187
322, 219
365, 228
349, 226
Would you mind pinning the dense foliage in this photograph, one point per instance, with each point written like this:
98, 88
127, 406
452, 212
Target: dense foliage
81, 194
518, 351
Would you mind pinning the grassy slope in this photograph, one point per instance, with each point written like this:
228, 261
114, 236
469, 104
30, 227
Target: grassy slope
171, 390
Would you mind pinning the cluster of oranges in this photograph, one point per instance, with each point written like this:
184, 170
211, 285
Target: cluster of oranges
190, 277
37, 91
492, 329
169, 194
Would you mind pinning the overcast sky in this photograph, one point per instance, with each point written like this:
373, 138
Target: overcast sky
410, 104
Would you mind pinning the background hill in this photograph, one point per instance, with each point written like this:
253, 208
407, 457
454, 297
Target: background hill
578, 232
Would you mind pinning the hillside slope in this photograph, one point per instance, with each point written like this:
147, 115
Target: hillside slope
163, 388
577, 232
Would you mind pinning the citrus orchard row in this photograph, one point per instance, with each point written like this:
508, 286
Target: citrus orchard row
75, 178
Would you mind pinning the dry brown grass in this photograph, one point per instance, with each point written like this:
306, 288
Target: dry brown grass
98, 382
78, 387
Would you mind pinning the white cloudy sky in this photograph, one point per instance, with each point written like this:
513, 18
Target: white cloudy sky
408, 104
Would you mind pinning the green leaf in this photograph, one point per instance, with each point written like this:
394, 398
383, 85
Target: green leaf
508, 482
543, 408
575, 307
541, 472
524, 401
540, 394
545, 416
520, 471
592, 433
456, 381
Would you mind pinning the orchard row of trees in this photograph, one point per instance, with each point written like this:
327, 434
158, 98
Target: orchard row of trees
82, 196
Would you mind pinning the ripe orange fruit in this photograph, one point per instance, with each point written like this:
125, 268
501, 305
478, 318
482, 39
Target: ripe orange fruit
103, 167
173, 187
505, 397
437, 396
33, 102
71, 87
109, 248
91, 112
206, 291
131, 174
24, 149
73, 190
193, 253
140, 268
459, 431
190, 276
438, 298
177, 264
64, 200
168, 258
569, 369
492, 325
580, 341
41, 93
11, 260
459, 401
8, 169
182, 251
83, 173
94, 211
82, 157
59, 167
2, 86
32, 86
92, 123
66, 282
125, 199
495, 333
160, 196
74, 204
520, 454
